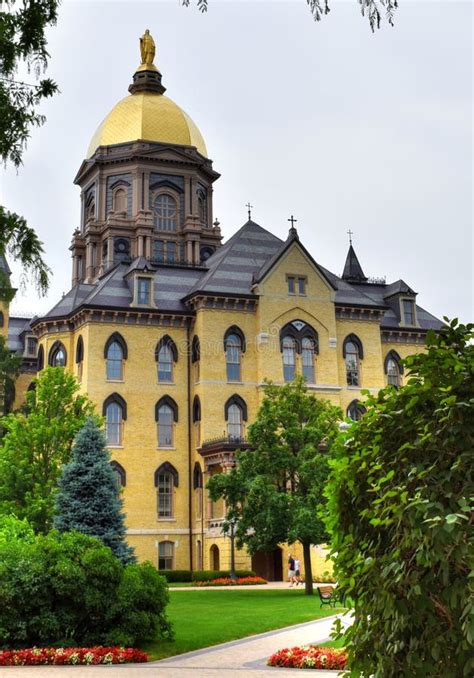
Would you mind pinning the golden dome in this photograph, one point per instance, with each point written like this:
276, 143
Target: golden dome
148, 116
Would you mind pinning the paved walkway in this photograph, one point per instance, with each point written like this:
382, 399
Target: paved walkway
245, 658
260, 587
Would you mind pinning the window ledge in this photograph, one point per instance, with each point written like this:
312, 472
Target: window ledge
115, 381
115, 447
166, 520
354, 388
166, 383
166, 448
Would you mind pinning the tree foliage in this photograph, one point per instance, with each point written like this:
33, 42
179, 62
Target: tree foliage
23, 42
274, 493
37, 443
88, 499
372, 9
9, 370
401, 521
69, 589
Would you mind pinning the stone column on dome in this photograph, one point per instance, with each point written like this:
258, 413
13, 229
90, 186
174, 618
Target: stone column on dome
89, 263
110, 252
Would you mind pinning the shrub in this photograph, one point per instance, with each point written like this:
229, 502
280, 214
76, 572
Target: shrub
70, 589
309, 657
401, 520
207, 575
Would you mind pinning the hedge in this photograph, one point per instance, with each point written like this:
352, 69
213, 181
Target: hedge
201, 575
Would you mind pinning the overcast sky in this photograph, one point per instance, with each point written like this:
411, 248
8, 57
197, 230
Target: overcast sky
326, 121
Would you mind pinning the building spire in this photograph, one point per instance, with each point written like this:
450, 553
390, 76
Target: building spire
249, 210
293, 233
352, 269
147, 77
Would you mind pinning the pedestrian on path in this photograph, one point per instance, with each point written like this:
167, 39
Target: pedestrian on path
297, 577
291, 570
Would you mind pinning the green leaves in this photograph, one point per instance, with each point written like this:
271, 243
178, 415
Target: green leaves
399, 514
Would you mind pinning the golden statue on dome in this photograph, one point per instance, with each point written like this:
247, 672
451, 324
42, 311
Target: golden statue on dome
147, 51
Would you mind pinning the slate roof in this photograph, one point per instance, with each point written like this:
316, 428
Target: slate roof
352, 269
232, 270
16, 326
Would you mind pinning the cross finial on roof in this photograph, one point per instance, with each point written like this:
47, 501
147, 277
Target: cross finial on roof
249, 210
350, 234
293, 221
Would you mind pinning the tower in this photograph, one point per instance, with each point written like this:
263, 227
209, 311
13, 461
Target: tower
146, 184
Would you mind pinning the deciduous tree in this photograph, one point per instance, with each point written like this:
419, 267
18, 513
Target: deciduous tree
276, 489
401, 521
37, 443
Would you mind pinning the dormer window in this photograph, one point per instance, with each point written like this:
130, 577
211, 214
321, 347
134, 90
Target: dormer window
408, 307
143, 291
31, 345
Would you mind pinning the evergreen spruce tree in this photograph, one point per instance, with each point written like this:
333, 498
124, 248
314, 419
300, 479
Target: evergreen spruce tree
88, 500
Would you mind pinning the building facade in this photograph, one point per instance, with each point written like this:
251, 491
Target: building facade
172, 333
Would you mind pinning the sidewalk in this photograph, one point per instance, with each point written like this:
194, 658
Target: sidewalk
237, 659
260, 587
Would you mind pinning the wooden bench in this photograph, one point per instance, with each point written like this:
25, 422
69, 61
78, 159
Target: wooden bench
328, 595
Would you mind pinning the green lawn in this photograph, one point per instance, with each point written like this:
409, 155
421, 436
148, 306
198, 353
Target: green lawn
204, 618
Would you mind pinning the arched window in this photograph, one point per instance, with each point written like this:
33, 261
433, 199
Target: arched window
166, 212
307, 359
120, 200
197, 418
352, 353
115, 352
120, 474
233, 345
214, 557
57, 355
289, 358
197, 486
196, 356
235, 411
2, 319
166, 415
40, 358
79, 357
170, 252
90, 209
114, 410
355, 410
393, 368
202, 207
166, 354
166, 479
165, 555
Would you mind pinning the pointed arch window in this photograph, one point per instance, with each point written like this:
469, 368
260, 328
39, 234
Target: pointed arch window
166, 212
57, 355
234, 345
235, 414
289, 358
356, 410
352, 353
115, 352
120, 474
79, 357
307, 359
198, 488
166, 355
166, 480
115, 412
393, 369
196, 356
40, 358
166, 416
197, 418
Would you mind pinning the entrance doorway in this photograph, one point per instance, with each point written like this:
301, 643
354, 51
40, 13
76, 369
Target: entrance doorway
215, 559
268, 564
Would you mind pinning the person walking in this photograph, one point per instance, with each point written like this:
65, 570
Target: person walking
291, 570
297, 577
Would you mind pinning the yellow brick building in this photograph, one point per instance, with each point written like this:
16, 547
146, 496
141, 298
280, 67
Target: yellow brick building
172, 333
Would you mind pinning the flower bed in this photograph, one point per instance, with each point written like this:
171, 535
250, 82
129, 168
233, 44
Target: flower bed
71, 655
227, 581
309, 657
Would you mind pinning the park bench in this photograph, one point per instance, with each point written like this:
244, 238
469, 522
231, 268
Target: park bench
329, 595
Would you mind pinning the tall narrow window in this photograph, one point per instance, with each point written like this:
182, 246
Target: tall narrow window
197, 419
165, 489
165, 364
165, 426
114, 362
79, 357
166, 212
165, 555
120, 200
143, 291
408, 312
233, 351
291, 284
120, 475
159, 251
307, 359
57, 355
289, 358
352, 363
234, 422
356, 410
196, 356
113, 424
393, 373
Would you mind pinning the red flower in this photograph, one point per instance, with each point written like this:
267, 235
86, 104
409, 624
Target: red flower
227, 581
71, 655
309, 657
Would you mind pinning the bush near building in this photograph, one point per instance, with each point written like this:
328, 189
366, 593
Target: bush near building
401, 521
70, 589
